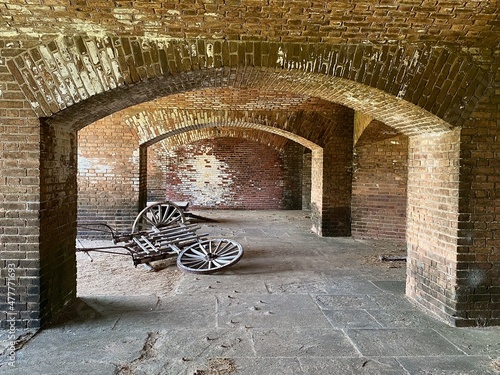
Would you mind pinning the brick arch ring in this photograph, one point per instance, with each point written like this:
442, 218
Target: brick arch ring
413, 88
186, 128
276, 142
401, 115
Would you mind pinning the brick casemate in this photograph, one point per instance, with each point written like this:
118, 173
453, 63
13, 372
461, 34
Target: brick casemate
309, 74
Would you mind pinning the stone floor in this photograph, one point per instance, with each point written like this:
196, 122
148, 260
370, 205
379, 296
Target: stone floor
295, 304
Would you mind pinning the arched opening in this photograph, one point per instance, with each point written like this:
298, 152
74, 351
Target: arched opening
331, 196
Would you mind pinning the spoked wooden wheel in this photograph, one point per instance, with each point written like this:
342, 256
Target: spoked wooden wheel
210, 256
157, 215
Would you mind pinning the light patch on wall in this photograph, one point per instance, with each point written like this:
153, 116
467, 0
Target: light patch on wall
281, 57
476, 277
89, 28
86, 164
210, 55
213, 184
126, 16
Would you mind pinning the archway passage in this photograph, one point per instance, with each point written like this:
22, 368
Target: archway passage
421, 95
177, 120
380, 179
182, 118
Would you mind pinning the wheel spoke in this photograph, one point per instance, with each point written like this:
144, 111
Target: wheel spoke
157, 215
149, 220
220, 263
221, 246
228, 249
198, 253
203, 248
194, 256
225, 259
167, 216
196, 265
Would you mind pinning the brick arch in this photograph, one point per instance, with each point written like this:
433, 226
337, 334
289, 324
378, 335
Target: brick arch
399, 114
211, 120
275, 139
46, 88
415, 88
376, 131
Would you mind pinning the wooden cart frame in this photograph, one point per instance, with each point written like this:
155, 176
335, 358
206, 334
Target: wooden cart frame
161, 231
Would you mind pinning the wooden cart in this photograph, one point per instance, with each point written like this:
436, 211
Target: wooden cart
162, 231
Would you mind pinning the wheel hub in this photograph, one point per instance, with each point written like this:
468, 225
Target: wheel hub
210, 256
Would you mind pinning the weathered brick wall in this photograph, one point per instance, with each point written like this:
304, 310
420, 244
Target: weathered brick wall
84, 67
58, 206
380, 177
108, 173
432, 221
19, 204
420, 67
478, 258
225, 173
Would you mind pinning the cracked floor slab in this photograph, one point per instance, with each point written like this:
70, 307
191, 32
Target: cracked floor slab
295, 304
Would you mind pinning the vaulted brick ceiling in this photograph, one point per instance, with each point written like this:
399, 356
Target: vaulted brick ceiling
467, 23
437, 55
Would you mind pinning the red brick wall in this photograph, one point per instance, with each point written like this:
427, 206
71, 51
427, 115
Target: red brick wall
108, 173
19, 206
478, 258
224, 173
379, 185
432, 222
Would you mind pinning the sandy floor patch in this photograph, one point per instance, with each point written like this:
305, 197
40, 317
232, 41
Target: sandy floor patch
109, 274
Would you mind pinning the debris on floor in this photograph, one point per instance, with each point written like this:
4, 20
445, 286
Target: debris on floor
392, 258
218, 366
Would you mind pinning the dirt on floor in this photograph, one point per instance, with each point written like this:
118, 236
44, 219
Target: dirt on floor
389, 253
110, 275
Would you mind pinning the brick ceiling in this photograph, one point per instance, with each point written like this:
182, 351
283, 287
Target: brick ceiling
464, 23
439, 55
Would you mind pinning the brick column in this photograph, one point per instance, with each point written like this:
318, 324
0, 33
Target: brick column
379, 184
478, 258
58, 207
332, 185
143, 177
432, 222
19, 207
292, 167
306, 180
317, 191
